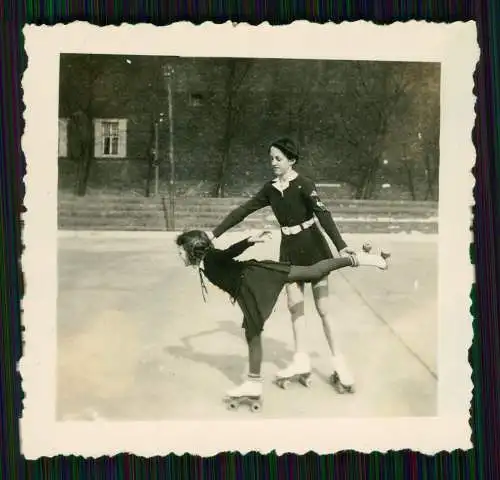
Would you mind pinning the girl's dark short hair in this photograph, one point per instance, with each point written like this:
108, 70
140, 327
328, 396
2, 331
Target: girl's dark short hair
195, 243
288, 147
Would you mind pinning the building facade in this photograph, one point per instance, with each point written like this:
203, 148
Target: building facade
115, 115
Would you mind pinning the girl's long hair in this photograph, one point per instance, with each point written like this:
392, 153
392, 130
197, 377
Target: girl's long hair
196, 244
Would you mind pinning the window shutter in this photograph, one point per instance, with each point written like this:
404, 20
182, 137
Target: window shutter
122, 138
97, 139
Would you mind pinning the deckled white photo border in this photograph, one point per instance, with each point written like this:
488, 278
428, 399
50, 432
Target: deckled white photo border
454, 45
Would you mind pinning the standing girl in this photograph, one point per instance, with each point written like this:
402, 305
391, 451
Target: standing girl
295, 202
256, 286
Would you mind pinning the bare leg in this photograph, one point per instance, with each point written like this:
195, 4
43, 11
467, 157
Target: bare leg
316, 272
301, 363
341, 372
321, 269
295, 295
320, 291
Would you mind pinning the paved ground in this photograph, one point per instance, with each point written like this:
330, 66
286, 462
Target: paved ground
136, 341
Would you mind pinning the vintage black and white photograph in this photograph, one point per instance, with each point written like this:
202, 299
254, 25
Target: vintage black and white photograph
251, 238
221, 151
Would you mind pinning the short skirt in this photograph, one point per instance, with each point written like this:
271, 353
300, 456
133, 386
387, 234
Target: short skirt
261, 285
305, 248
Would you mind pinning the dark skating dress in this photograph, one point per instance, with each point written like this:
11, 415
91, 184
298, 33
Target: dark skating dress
255, 285
294, 205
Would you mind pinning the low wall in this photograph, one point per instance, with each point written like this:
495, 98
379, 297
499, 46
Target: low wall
116, 212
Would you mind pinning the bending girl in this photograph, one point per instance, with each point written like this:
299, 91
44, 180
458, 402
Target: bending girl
255, 286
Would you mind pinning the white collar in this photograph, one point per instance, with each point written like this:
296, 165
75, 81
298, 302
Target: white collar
283, 184
201, 265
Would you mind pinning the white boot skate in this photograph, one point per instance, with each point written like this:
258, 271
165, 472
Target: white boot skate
342, 378
367, 259
249, 392
363, 259
299, 369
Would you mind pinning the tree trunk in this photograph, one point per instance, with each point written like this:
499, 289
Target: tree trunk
361, 184
78, 175
431, 175
86, 175
358, 194
429, 192
84, 126
220, 185
152, 155
410, 180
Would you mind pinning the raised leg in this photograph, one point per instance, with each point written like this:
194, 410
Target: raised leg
323, 268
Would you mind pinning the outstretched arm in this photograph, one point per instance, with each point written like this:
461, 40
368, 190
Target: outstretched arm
237, 248
240, 247
258, 201
323, 215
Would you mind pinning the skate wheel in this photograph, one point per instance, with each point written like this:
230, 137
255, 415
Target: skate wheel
343, 389
305, 381
367, 247
255, 407
340, 387
284, 384
232, 406
385, 255
334, 380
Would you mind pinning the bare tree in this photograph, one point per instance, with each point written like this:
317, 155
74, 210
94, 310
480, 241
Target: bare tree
430, 145
372, 94
237, 70
84, 73
348, 117
431, 175
415, 148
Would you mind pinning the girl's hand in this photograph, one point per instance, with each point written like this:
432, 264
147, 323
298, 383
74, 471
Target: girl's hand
260, 237
347, 251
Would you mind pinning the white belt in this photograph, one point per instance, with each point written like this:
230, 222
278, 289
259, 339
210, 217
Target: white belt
297, 228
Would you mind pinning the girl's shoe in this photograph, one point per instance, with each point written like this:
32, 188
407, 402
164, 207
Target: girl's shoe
363, 259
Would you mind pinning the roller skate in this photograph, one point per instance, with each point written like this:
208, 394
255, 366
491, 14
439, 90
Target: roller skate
341, 379
299, 369
367, 259
249, 392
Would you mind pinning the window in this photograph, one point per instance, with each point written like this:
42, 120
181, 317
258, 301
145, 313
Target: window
110, 137
195, 100
62, 150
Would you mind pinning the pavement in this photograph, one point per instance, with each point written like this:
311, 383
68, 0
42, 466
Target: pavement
136, 342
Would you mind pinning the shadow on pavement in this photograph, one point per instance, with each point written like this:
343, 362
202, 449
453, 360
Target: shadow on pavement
233, 366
